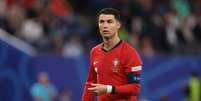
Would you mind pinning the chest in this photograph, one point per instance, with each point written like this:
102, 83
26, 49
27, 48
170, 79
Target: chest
108, 63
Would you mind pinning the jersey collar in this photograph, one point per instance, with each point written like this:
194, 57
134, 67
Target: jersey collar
112, 47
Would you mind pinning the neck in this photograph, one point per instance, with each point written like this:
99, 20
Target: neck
110, 42
44, 84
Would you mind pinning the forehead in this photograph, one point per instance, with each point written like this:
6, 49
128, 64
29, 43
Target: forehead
106, 17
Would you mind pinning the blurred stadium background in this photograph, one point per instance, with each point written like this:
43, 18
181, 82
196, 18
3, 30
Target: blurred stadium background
55, 36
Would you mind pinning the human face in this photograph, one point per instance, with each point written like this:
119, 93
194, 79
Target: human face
43, 78
108, 25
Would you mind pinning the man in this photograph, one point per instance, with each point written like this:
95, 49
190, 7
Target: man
193, 88
115, 66
43, 90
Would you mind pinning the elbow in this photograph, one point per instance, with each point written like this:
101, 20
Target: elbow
136, 90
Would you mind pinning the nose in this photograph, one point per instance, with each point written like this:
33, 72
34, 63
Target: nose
105, 25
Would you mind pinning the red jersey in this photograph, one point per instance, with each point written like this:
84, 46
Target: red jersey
119, 67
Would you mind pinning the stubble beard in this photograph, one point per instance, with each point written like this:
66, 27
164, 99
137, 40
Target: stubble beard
107, 38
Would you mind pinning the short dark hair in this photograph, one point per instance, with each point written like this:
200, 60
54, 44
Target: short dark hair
111, 11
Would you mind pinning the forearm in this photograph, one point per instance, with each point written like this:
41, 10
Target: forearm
128, 89
87, 96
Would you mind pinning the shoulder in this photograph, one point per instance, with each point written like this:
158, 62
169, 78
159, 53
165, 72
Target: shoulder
129, 50
37, 86
96, 48
127, 47
131, 55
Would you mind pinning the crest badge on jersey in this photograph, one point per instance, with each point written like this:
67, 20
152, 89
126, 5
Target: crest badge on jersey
115, 64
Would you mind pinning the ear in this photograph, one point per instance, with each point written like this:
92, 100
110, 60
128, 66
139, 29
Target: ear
118, 24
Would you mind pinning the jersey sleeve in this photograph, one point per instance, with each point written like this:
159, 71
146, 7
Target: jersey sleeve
35, 91
87, 96
133, 68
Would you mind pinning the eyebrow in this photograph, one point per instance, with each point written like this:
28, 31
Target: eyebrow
101, 20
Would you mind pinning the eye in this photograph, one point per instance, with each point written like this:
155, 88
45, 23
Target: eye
101, 21
109, 21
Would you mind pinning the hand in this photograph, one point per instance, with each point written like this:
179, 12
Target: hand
98, 89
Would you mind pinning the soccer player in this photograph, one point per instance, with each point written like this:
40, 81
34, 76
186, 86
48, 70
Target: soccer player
115, 66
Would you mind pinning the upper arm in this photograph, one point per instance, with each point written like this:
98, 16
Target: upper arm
133, 66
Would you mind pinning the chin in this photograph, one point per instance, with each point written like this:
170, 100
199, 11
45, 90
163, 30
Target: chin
107, 36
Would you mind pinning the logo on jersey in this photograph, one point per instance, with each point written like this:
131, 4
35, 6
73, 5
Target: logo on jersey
115, 64
136, 68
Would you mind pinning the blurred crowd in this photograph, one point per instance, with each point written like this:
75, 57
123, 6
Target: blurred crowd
69, 27
45, 90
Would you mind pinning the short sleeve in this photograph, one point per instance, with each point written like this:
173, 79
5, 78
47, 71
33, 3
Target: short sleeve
133, 62
35, 90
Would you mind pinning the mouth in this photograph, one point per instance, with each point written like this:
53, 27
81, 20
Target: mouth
105, 31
